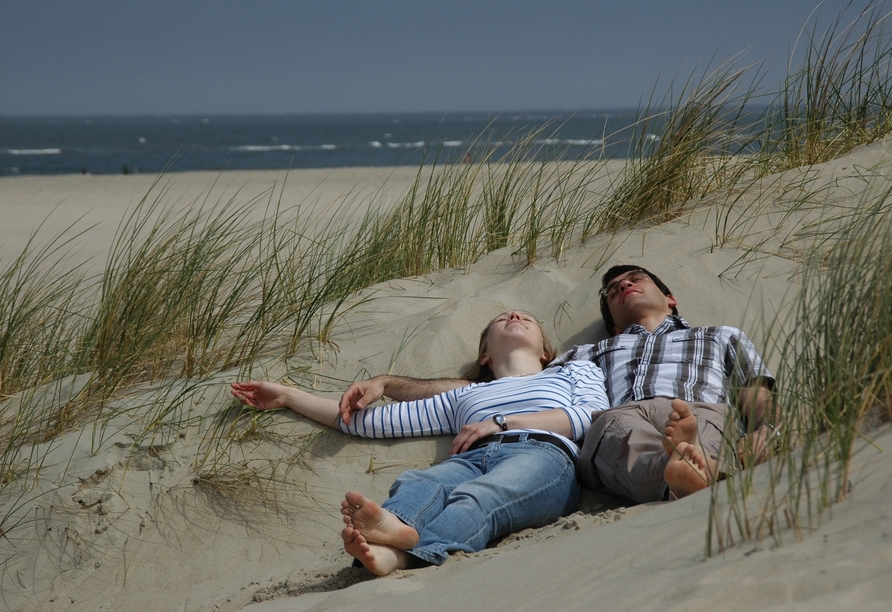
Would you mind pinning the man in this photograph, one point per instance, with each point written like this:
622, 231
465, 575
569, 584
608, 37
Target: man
670, 426
665, 376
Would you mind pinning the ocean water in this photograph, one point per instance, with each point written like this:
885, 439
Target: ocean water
107, 145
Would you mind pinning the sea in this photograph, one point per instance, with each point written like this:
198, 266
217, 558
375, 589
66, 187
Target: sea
154, 144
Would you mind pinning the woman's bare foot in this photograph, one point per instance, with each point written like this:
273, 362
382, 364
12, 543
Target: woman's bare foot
379, 559
682, 427
688, 470
377, 525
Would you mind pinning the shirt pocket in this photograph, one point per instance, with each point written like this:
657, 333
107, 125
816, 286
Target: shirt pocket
701, 349
617, 350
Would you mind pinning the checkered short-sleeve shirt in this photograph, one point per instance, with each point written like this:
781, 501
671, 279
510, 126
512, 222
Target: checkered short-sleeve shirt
696, 364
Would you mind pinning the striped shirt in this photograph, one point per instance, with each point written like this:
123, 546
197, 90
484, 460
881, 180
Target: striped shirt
577, 388
696, 364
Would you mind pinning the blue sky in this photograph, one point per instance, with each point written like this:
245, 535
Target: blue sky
64, 57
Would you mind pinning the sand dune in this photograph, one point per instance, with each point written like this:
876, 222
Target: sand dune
129, 526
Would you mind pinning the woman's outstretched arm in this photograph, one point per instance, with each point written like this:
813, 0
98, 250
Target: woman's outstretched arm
265, 395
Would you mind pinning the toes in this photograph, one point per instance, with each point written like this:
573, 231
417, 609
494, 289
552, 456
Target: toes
354, 499
681, 408
348, 534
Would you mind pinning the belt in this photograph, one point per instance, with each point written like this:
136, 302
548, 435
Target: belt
509, 438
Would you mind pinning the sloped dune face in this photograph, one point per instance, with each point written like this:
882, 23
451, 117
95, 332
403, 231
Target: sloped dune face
172, 497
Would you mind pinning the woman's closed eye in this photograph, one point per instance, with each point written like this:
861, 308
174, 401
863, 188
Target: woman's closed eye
523, 317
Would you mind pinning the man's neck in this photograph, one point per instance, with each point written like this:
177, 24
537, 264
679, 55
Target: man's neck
650, 323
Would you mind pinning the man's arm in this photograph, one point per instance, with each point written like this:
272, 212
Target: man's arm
756, 404
399, 388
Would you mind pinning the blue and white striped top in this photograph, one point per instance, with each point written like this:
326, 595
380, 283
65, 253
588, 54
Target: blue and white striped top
577, 388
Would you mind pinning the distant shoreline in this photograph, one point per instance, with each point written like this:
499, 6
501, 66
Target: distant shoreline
152, 144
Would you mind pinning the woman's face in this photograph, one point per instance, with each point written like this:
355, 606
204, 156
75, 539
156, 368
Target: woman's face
511, 330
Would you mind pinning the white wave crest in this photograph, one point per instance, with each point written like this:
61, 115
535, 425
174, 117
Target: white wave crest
570, 142
268, 148
405, 145
265, 148
32, 151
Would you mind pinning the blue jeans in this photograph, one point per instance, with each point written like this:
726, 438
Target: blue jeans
471, 498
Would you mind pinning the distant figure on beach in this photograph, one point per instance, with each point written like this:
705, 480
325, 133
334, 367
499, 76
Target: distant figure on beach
517, 426
671, 430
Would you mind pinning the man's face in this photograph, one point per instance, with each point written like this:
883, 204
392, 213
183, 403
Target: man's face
633, 296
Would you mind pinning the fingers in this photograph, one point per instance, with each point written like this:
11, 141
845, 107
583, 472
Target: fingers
464, 441
358, 396
752, 450
471, 433
348, 401
459, 445
257, 394
351, 400
244, 392
247, 385
458, 442
345, 399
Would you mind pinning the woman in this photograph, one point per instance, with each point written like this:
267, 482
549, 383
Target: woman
513, 461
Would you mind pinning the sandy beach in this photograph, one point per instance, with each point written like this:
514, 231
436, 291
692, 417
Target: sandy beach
97, 204
126, 523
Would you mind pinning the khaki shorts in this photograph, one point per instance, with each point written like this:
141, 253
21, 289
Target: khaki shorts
623, 450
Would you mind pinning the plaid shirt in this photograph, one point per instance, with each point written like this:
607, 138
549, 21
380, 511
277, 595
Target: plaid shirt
696, 364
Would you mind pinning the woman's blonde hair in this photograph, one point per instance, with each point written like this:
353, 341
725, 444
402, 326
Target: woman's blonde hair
480, 373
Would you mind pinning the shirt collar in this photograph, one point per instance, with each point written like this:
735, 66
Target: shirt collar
670, 323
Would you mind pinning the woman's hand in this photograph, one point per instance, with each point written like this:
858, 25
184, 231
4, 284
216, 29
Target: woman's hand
471, 433
261, 395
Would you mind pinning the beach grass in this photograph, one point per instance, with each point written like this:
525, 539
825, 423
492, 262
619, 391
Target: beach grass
833, 385
191, 292
838, 97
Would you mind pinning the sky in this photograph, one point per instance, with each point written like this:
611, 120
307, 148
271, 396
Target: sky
99, 57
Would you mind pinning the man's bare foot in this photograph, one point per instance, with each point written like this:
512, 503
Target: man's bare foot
377, 525
682, 427
379, 559
688, 470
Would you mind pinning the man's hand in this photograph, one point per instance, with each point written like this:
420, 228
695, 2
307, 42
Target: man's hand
399, 388
359, 395
758, 446
756, 405
472, 432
